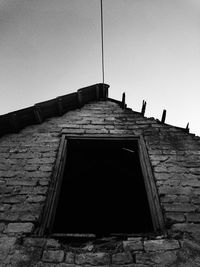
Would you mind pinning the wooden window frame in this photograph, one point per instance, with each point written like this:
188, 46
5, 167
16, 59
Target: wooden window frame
48, 217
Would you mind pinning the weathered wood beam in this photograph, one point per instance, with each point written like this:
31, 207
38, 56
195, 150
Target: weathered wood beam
123, 101
144, 104
187, 128
164, 116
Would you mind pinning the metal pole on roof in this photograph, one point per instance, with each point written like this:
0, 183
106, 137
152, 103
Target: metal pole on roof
102, 41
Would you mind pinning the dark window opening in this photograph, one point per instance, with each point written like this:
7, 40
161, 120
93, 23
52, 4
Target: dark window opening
102, 190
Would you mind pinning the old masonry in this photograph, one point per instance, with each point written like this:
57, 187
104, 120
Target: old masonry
86, 181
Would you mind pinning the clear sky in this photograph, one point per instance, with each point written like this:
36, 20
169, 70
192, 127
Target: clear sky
152, 52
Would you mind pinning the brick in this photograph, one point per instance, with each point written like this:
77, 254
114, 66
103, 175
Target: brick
53, 256
160, 169
98, 121
26, 207
9, 216
170, 182
7, 174
183, 199
168, 198
192, 183
19, 228
159, 158
186, 227
122, 258
133, 245
82, 122
51, 154
36, 198
23, 156
115, 131
31, 167
44, 181
34, 242
38, 174
41, 161
178, 190
165, 258
94, 127
14, 199
46, 168
70, 125
73, 131
176, 199
160, 244
180, 207
38, 190
108, 127
28, 217
175, 217
177, 169
193, 217
52, 243
23, 182
96, 131
100, 258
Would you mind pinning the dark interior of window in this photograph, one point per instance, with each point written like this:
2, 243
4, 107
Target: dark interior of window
102, 190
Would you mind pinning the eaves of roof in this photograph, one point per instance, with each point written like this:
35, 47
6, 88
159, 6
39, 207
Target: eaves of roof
15, 121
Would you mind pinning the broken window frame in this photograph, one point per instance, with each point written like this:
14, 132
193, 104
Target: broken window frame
48, 217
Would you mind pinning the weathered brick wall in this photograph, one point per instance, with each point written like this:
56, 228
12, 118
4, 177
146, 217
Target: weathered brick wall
26, 163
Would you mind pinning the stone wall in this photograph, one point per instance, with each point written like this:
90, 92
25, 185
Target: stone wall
26, 163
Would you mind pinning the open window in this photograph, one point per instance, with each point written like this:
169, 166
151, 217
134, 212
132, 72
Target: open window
102, 186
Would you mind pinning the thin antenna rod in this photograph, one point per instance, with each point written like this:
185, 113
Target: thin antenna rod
102, 41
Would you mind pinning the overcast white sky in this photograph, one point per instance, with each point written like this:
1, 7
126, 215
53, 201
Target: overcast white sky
152, 51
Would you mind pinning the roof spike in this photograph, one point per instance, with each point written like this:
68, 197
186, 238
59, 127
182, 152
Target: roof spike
123, 101
144, 104
187, 127
164, 116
